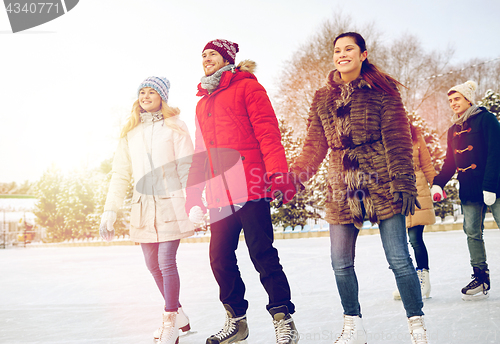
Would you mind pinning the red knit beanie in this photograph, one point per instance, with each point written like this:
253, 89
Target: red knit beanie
224, 47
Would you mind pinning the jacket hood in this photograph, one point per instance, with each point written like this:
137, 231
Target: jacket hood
247, 66
335, 80
244, 70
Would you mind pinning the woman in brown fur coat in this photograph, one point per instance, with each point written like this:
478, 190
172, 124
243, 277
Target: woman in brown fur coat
358, 117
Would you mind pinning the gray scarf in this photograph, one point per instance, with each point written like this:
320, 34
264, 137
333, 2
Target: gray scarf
471, 111
211, 82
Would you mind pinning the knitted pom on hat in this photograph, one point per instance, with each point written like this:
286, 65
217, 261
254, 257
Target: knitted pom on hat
159, 84
467, 89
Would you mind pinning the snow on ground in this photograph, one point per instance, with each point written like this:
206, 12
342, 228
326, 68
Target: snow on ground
105, 295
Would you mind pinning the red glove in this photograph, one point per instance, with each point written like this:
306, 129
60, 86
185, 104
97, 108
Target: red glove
193, 198
284, 187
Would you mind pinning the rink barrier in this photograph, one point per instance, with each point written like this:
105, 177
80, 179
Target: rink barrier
297, 232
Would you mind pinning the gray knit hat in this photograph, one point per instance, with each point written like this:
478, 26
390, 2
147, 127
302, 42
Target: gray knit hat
468, 90
159, 84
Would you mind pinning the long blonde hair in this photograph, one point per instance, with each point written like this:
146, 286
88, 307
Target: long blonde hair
167, 111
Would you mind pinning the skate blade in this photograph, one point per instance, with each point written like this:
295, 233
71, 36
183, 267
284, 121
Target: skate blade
187, 333
475, 297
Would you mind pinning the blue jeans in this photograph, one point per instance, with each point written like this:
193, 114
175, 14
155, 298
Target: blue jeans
474, 213
393, 236
161, 262
416, 236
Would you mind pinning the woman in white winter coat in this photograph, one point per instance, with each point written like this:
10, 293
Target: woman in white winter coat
155, 152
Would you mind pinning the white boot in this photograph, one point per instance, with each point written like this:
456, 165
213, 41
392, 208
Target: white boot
169, 333
417, 329
352, 332
182, 320
425, 283
182, 323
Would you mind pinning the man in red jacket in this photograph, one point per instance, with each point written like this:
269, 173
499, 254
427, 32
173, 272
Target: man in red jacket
240, 161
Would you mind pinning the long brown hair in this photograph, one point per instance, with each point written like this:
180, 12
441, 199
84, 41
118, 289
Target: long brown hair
370, 73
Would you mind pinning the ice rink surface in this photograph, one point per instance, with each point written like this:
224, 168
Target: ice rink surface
101, 295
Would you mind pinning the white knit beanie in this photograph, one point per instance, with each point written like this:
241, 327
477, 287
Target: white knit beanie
468, 90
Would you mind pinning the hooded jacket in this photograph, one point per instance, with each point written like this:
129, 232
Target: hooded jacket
238, 142
425, 173
157, 159
367, 134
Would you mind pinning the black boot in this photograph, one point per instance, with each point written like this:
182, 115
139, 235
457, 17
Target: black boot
478, 287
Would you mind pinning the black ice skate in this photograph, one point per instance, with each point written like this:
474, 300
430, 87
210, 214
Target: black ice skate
478, 288
284, 327
235, 329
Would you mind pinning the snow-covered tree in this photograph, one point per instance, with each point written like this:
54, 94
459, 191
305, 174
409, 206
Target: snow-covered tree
306, 203
491, 101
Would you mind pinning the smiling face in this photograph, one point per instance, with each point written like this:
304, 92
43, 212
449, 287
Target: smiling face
149, 99
348, 58
458, 103
212, 61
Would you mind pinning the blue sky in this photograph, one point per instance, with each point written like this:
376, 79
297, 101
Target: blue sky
67, 85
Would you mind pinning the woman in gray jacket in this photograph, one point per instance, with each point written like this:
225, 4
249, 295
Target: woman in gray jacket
155, 152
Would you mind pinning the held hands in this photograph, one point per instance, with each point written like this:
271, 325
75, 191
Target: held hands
489, 197
437, 193
409, 202
106, 229
196, 215
284, 187
193, 199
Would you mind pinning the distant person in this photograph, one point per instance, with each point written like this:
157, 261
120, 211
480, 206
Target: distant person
238, 157
474, 152
359, 119
155, 152
425, 173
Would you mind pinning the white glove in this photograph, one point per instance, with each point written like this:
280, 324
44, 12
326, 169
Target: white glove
106, 229
489, 197
437, 193
196, 215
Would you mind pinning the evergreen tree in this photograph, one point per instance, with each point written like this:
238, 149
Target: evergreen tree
491, 101
103, 175
47, 208
305, 204
77, 203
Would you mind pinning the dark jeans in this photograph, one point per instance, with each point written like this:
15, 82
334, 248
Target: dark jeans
255, 220
416, 236
161, 262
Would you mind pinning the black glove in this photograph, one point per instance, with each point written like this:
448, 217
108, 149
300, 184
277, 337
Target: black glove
409, 202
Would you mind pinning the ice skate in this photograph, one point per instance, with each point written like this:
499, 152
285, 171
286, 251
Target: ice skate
479, 287
352, 332
425, 285
169, 333
235, 329
418, 333
182, 323
284, 327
